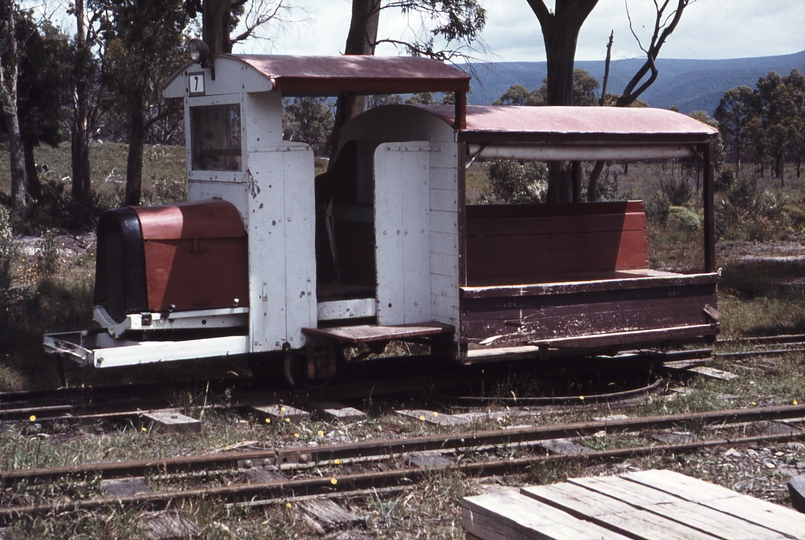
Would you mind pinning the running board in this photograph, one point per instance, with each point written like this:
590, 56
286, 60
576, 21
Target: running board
367, 333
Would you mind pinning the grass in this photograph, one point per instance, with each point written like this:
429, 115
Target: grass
50, 291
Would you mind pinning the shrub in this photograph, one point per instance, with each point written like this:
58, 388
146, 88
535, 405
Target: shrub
8, 251
514, 183
685, 218
658, 207
56, 209
677, 190
725, 179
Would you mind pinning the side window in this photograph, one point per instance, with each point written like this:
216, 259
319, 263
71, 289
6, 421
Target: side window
215, 138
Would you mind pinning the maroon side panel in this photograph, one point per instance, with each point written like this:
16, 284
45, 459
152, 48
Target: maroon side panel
187, 274
538, 243
196, 256
514, 321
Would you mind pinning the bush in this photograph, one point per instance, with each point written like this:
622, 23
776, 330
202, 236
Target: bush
685, 218
514, 183
56, 209
8, 252
677, 190
725, 179
658, 207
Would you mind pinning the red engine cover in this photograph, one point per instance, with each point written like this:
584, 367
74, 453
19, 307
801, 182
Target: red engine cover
196, 256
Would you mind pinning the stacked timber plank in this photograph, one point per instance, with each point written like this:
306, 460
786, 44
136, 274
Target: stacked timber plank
654, 504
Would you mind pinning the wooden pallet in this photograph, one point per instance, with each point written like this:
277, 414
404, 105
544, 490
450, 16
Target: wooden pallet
654, 504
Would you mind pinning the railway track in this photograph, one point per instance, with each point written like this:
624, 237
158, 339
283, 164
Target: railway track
389, 377
380, 378
349, 469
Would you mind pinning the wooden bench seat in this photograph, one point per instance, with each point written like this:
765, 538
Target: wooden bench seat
542, 243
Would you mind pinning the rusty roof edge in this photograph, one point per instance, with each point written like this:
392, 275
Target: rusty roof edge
549, 135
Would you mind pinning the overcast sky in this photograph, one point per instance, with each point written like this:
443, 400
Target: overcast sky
708, 29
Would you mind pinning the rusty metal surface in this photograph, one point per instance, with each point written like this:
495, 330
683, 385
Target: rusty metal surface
188, 220
577, 124
196, 256
332, 75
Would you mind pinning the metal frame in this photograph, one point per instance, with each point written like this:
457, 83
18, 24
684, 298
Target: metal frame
179, 320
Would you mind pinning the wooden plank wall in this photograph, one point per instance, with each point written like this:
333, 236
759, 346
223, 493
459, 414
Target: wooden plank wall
543, 242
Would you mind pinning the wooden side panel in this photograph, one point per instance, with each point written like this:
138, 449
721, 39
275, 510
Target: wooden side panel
527, 243
446, 166
402, 231
575, 312
282, 261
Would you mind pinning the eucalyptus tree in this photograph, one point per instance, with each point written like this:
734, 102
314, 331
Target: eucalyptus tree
560, 29
448, 29
734, 113
10, 55
144, 44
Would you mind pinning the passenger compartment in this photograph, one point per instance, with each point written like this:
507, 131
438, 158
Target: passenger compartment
575, 276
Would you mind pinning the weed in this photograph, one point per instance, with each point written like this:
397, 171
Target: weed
658, 208
49, 253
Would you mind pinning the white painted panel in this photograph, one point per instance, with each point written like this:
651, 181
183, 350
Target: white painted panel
168, 351
262, 119
444, 179
236, 193
267, 252
282, 260
444, 286
446, 222
444, 200
444, 265
445, 310
388, 236
347, 309
416, 233
231, 75
444, 243
443, 155
300, 245
402, 232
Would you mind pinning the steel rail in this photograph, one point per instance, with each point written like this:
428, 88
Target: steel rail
345, 484
566, 400
391, 447
129, 400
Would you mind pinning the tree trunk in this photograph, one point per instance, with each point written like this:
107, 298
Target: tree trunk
16, 159
33, 187
79, 145
134, 165
361, 40
560, 31
216, 21
8, 91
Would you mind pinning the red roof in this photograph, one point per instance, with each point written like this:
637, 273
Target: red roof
549, 125
333, 75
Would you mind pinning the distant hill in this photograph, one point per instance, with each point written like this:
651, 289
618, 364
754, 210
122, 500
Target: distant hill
689, 84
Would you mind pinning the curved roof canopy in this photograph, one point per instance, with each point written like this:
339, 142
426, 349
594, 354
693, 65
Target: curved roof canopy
334, 75
576, 125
